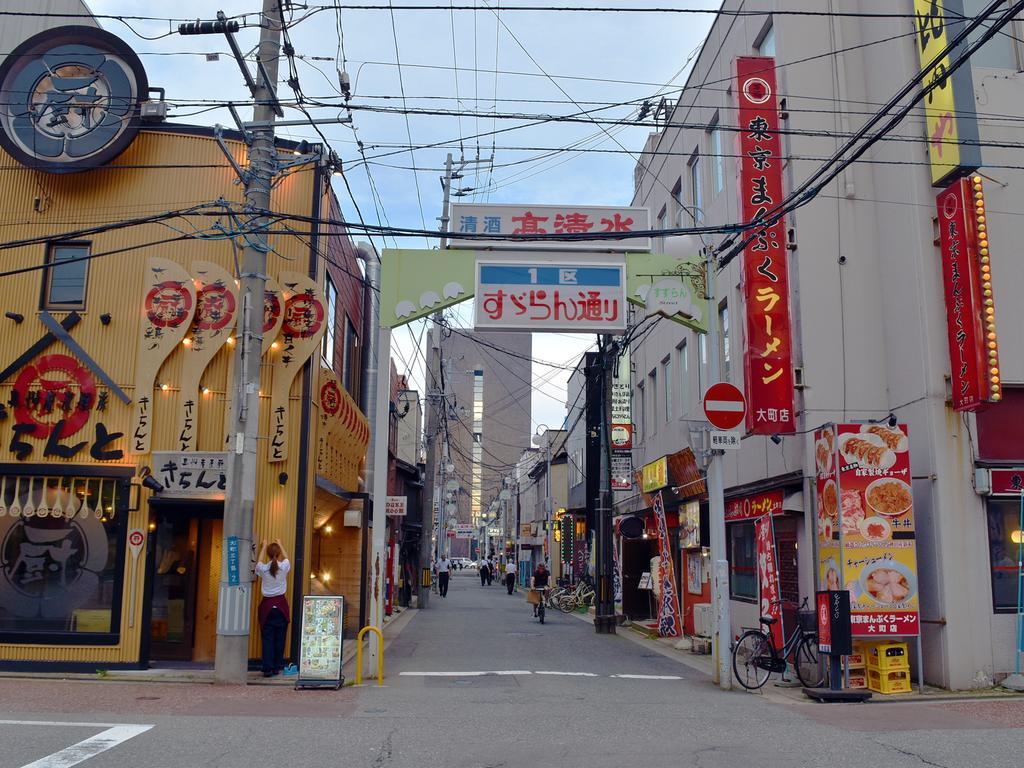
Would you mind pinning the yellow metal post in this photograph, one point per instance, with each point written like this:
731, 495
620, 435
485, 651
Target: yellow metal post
380, 654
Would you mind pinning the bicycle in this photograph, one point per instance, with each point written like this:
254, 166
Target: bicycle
755, 657
582, 595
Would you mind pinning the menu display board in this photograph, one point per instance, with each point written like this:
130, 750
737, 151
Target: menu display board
866, 538
320, 645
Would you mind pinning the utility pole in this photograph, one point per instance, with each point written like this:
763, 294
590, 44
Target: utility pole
231, 664
604, 618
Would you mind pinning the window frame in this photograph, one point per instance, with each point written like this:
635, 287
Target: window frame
667, 387
327, 347
696, 186
717, 157
48, 270
732, 531
724, 356
992, 505
683, 368
652, 377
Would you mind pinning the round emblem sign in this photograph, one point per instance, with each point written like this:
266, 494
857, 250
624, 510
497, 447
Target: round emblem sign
215, 307
303, 316
69, 99
271, 310
330, 398
168, 304
52, 388
757, 90
135, 538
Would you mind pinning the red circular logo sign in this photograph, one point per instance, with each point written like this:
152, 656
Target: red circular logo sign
168, 304
724, 406
330, 398
135, 538
52, 388
271, 310
950, 205
215, 307
303, 316
757, 90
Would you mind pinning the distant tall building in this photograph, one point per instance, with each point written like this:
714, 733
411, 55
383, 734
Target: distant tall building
487, 388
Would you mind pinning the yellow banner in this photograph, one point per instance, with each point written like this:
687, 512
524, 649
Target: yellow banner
939, 105
655, 475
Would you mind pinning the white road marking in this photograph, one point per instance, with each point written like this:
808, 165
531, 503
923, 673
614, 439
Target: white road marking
465, 674
85, 749
568, 674
647, 677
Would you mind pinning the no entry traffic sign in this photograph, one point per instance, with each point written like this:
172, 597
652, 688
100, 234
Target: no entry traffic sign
724, 406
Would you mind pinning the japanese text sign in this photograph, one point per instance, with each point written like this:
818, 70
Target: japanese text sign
622, 470
767, 357
952, 130
769, 590
669, 621
192, 474
1006, 482
552, 221
866, 532
545, 296
395, 506
970, 306
654, 475
834, 626
753, 507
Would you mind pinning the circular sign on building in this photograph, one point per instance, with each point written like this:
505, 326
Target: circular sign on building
69, 99
724, 406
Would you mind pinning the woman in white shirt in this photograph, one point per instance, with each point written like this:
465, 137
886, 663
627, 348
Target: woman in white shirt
272, 567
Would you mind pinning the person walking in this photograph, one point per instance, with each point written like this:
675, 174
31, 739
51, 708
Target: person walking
540, 581
510, 576
490, 571
484, 573
272, 566
444, 567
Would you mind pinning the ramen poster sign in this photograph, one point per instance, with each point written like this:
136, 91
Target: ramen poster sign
865, 520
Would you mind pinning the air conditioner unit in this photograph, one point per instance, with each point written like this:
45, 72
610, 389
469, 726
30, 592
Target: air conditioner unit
703, 619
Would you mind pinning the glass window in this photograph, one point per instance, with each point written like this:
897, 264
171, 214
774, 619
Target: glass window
695, 189
683, 353
652, 393
350, 360
718, 160
723, 325
1004, 540
65, 276
742, 561
668, 383
332, 322
639, 400
62, 548
662, 220
767, 45
998, 52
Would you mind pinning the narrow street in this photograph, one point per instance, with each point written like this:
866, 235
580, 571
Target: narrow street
476, 682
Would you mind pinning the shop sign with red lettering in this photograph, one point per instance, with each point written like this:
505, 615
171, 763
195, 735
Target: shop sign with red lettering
767, 358
752, 507
768, 576
970, 307
1007, 482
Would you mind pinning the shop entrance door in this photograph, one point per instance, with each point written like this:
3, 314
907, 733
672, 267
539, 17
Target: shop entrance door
636, 560
184, 585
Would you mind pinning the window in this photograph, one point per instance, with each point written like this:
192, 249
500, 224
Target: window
723, 335
65, 276
652, 393
742, 561
1004, 537
702, 352
998, 52
639, 400
695, 191
678, 209
332, 322
668, 383
661, 223
350, 368
64, 574
683, 353
766, 45
717, 160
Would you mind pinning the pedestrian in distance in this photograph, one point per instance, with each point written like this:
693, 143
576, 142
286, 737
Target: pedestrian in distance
272, 567
484, 573
444, 567
540, 581
510, 576
490, 572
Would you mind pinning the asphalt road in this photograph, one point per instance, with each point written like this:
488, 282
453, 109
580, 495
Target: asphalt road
474, 681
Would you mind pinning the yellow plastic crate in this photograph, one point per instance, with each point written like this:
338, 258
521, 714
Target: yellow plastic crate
858, 679
893, 681
855, 661
888, 656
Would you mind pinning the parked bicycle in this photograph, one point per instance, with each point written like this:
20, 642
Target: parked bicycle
755, 657
571, 599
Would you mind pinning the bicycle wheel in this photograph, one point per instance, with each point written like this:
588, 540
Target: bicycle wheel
751, 659
554, 596
567, 603
808, 664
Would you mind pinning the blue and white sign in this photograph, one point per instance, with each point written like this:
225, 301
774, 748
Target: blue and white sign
551, 296
234, 570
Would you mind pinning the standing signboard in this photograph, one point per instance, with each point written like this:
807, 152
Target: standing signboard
866, 532
552, 221
669, 621
834, 629
767, 356
542, 295
970, 306
323, 625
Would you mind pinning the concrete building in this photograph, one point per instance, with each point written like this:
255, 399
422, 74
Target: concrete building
542, 500
487, 424
869, 324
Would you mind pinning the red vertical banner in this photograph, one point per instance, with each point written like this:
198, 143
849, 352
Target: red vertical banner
970, 307
768, 576
669, 624
768, 353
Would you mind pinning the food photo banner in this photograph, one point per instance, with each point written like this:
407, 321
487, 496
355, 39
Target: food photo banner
866, 534
768, 349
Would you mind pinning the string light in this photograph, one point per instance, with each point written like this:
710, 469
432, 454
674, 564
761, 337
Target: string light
985, 271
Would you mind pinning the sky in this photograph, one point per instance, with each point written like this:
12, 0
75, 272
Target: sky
478, 62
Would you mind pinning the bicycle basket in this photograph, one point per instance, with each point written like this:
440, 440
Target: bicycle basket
808, 620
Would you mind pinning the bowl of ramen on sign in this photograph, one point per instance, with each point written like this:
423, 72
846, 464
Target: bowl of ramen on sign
889, 496
888, 582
